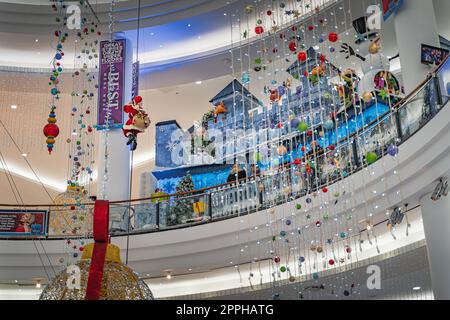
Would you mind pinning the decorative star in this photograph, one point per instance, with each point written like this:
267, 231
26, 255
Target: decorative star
383, 94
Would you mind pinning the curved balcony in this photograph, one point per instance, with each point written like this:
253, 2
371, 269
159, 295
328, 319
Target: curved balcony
231, 212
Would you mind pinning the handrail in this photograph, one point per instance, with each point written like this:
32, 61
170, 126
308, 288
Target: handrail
394, 110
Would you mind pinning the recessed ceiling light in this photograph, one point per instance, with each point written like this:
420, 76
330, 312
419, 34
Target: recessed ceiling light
24, 155
169, 276
198, 82
189, 25
16, 281
37, 40
417, 288
13, 106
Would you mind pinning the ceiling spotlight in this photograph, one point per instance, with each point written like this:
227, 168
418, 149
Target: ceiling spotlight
168, 276
38, 284
198, 82
24, 155
37, 40
417, 288
13, 106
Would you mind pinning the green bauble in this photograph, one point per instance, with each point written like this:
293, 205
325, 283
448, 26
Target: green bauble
283, 269
299, 206
371, 157
302, 126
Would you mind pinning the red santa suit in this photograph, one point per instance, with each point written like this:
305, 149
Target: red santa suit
137, 122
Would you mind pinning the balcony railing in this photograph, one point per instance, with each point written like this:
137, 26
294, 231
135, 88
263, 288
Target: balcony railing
285, 183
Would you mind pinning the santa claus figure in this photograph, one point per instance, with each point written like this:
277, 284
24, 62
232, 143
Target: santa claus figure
137, 122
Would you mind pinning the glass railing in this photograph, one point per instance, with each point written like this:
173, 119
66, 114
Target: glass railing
286, 182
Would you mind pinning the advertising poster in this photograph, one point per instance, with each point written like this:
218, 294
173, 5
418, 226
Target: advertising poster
135, 81
111, 82
20, 223
444, 78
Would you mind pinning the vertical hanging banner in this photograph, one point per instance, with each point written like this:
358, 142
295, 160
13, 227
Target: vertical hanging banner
135, 81
111, 82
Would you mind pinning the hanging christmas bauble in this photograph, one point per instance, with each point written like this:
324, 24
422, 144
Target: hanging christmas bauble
269, 12
371, 157
374, 48
259, 30
293, 46
51, 130
367, 97
324, 190
297, 162
302, 56
283, 269
249, 9
331, 262
392, 150
333, 37
276, 259
294, 123
328, 124
303, 126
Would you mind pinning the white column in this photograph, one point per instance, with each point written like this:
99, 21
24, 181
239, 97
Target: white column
436, 222
415, 23
119, 155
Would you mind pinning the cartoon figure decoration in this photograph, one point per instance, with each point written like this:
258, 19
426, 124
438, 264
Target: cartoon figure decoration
347, 89
137, 123
375, 66
220, 109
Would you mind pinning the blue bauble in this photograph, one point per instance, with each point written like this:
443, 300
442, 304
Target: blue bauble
392, 150
58, 56
294, 123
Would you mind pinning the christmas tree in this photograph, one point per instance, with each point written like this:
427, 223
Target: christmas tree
182, 210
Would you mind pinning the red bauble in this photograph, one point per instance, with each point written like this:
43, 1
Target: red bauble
322, 58
277, 259
51, 130
306, 74
309, 133
303, 149
324, 190
293, 46
297, 162
333, 37
259, 30
331, 148
331, 262
310, 28
302, 56
348, 249
269, 12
